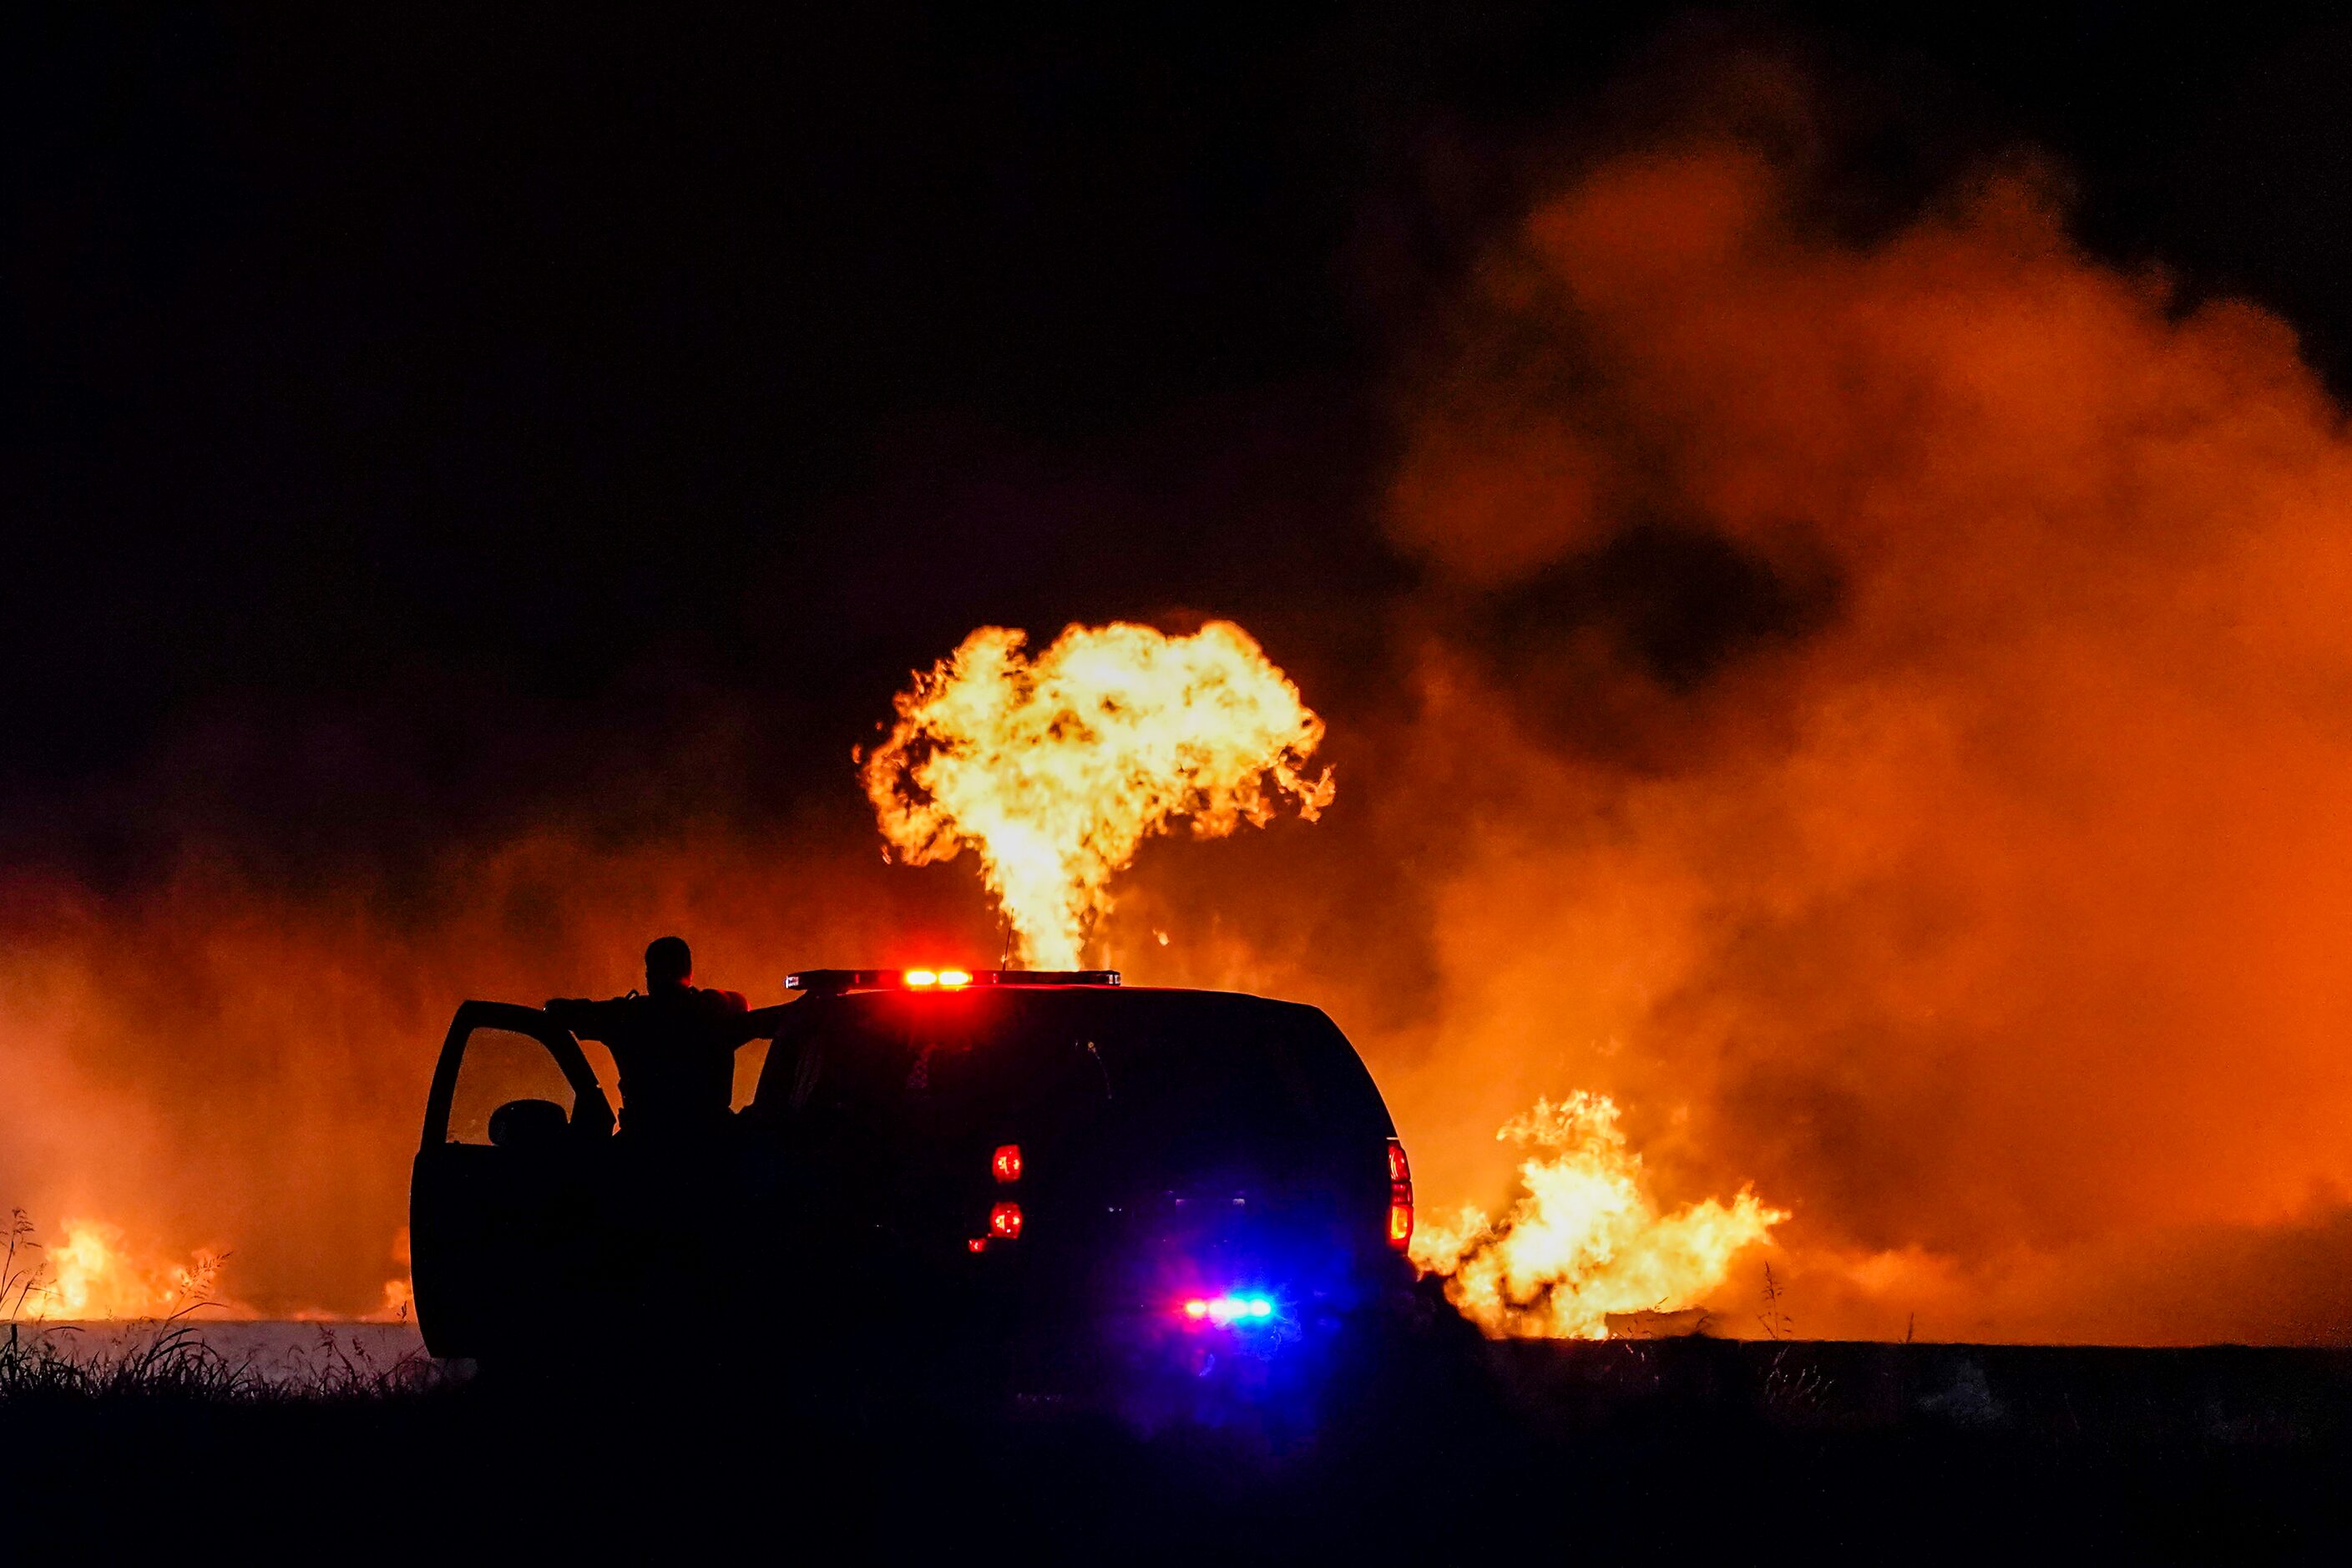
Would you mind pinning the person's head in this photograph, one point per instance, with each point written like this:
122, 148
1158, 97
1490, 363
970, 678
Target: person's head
669, 962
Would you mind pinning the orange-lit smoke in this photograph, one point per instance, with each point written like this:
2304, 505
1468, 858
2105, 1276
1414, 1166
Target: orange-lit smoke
1912, 677
1586, 1237
1055, 769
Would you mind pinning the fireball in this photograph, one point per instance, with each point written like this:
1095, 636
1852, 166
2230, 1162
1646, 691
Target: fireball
1053, 770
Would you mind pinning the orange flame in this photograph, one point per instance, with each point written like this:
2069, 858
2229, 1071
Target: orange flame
92, 1275
1056, 769
1585, 1239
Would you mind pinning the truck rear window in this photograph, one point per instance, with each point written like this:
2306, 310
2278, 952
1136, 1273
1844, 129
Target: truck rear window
895, 1068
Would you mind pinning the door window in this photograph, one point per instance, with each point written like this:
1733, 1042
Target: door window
501, 1066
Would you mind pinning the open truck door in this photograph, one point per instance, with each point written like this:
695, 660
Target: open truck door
504, 1223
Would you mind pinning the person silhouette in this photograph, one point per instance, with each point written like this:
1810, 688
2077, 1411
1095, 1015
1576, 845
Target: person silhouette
675, 1046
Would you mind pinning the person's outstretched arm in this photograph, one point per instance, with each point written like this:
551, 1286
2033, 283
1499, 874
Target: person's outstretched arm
761, 1023
587, 1019
742, 1022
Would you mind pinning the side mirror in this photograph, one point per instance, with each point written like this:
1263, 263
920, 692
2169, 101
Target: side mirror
528, 1124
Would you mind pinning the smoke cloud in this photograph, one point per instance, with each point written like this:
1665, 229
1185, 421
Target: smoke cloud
1909, 686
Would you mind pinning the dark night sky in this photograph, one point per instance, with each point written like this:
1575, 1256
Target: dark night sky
416, 422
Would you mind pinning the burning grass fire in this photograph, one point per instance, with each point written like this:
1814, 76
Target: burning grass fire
1055, 769
1585, 1239
93, 1274
96, 1278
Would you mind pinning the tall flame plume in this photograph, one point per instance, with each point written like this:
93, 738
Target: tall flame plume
1585, 1239
1056, 769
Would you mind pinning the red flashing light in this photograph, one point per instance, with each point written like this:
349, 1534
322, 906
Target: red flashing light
977, 1244
1005, 1163
1400, 1198
1196, 1308
920, 977
952, 978
1005, 1220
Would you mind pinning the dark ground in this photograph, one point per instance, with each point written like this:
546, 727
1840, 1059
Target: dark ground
1657, 1451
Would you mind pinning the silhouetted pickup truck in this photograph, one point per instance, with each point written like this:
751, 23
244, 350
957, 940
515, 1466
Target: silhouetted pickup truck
1068, 1176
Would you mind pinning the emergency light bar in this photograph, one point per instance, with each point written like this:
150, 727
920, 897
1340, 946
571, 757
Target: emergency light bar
833, 982
1233, 1309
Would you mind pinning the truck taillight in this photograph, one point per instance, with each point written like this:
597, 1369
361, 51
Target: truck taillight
1400, 1197
1005, 1163
1004, 1222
